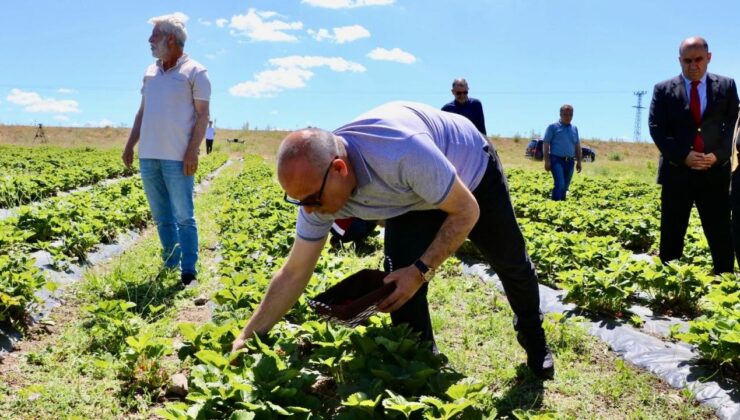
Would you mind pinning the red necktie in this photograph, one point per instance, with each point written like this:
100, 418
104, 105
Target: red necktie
695, 107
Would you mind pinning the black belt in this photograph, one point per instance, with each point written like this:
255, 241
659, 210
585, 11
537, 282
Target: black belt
567, 158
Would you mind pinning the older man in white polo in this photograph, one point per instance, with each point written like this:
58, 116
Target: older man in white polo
169, 126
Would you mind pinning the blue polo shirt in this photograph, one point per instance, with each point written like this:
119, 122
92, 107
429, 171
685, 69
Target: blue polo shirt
405, 156
562, 139
472, 110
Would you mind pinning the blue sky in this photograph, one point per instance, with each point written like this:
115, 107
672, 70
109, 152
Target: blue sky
291, 63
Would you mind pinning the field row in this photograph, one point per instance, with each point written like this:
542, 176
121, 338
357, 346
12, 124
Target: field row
585, 246
68, 227
34, 173
303, 367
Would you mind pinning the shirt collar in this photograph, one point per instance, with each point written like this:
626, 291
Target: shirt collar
182, 59
702, 81
362, 173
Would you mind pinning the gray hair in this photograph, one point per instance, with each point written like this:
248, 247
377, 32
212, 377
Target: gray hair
459, 81
171, 25
315, 145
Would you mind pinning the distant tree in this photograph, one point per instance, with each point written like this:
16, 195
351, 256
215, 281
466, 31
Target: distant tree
245, 126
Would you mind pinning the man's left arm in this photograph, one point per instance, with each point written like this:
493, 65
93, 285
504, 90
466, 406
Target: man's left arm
190, 160
462, 214
729, 119
482, 119
579, 151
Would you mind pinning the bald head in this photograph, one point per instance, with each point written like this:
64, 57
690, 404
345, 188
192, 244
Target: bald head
313, 168
311, 145
693, 42
305, 154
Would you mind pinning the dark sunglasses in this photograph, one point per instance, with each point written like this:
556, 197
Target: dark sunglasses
696, 60
462, 92
313, 200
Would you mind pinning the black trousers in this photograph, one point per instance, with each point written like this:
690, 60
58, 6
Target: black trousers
496, 235
209, 146
735, 206
710, 191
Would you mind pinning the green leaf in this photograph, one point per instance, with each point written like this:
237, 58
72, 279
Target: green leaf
212, 358
242, 415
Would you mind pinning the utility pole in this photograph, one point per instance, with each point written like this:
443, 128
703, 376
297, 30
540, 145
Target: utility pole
638, 116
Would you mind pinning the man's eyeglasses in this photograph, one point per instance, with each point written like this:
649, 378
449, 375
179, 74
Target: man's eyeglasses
462, 92
313, 200
696, 60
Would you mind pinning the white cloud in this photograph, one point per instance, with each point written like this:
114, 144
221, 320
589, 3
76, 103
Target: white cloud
337, 64
269, 82
65, 90
61, 118
102, 123
291, 72
177, 15
257, 26
33, 102
221, 22
341, 34
205, 22
216, 54
347, 4
396, 54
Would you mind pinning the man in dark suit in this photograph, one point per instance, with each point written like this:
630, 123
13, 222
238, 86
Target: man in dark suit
691, 122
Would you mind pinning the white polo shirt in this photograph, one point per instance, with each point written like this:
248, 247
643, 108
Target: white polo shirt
169, 110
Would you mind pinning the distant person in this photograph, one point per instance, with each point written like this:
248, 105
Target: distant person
170, 124
210, 135
351, 229
430, 175
691, 120
469, 108
561, 151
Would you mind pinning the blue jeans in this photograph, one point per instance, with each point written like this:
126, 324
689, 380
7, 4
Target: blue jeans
562, 172
170, 196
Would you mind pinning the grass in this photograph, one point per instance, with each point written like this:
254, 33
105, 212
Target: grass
58, 378
473, 326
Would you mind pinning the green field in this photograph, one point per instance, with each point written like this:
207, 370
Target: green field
127, 328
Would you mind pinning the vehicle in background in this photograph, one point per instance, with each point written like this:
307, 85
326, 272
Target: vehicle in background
534, 151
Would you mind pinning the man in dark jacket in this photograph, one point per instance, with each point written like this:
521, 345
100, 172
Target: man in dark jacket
469, 108
691, 121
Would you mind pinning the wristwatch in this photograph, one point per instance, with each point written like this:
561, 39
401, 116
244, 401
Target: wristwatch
427, 273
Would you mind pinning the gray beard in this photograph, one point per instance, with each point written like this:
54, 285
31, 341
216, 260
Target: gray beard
160, 50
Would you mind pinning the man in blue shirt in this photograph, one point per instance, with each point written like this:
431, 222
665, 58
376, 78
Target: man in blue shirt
469, 108
562, 150
435, 180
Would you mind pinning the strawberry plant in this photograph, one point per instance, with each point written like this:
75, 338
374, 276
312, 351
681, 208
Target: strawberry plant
19, 280
109, 323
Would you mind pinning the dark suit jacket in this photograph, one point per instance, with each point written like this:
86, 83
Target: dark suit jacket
673, 128
472, 110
